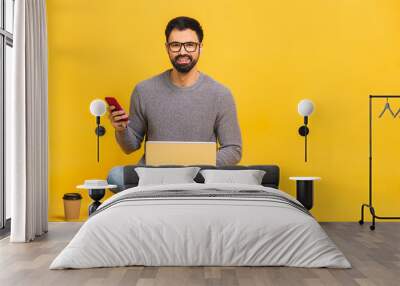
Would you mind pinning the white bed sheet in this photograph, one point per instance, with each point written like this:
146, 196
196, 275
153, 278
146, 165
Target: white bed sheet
200, 232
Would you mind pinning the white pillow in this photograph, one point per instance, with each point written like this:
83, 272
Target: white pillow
162, 176
249, 177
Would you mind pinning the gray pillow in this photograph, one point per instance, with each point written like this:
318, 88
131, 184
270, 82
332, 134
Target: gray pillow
249, 177
162, 176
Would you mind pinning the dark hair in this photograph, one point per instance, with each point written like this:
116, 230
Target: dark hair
183, 23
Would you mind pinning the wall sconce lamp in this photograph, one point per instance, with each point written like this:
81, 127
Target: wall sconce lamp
305, 108
98, 108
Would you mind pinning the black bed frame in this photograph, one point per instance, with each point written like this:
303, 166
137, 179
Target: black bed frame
126, 177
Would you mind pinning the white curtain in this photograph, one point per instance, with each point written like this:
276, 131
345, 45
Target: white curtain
26, 123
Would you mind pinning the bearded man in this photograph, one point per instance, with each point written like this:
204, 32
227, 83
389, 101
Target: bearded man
181, 103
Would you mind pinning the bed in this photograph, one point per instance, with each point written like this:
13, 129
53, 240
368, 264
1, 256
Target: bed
200, 224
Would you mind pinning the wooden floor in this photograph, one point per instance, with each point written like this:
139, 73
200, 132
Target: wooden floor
375, 257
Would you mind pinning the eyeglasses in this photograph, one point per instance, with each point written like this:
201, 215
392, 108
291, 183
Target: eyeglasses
190, 47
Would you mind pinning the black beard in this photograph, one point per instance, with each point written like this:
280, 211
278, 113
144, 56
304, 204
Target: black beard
185, 68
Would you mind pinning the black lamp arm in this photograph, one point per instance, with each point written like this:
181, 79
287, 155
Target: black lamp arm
303, 131
100, 131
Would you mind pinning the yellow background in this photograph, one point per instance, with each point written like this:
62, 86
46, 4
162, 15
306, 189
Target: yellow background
271, 54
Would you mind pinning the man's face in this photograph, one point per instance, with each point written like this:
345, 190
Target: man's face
184, 59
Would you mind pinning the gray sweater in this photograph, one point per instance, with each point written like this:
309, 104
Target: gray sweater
203, 112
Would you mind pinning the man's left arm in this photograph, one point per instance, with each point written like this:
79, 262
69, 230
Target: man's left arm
227, 131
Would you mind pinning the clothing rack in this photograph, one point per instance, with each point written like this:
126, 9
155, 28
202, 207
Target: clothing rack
370, 205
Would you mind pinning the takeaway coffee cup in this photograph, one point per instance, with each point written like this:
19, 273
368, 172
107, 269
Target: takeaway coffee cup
72, 205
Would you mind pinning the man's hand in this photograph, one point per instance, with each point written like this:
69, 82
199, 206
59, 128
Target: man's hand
115, 116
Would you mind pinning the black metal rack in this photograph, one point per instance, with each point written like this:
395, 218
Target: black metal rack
370, 206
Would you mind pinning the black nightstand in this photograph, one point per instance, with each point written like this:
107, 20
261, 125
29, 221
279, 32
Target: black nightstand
305, 190
96, 193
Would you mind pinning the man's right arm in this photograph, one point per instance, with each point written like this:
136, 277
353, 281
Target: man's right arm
130, 138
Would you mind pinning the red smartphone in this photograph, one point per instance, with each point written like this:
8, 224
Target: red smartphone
113, 101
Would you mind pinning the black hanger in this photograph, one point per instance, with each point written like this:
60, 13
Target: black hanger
387, 107
398, 112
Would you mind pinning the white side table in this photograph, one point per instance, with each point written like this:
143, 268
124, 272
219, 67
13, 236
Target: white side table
96, 193
305, 190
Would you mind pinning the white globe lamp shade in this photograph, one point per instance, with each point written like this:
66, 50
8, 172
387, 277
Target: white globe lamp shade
305, 107
98, 107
